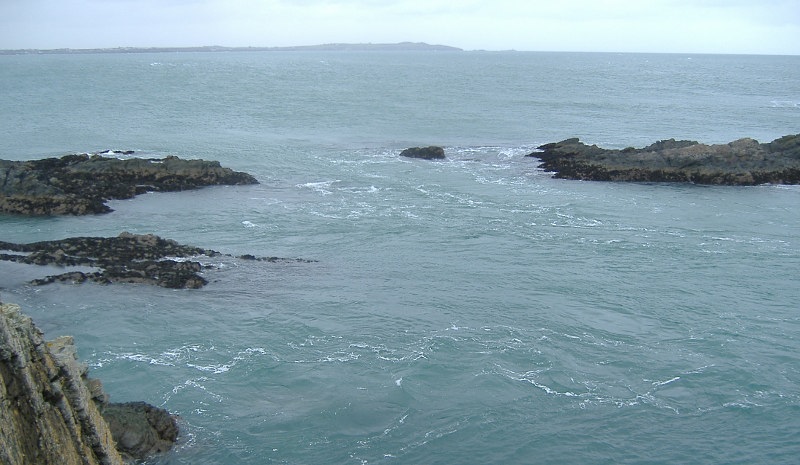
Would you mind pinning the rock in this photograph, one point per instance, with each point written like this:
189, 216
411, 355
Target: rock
140, 429
127, 258
251, 257
48, 414
741, 162
54, 414
81, 184
426, 153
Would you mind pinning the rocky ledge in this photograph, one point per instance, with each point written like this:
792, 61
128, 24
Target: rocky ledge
742, 162
81, 184
127, 258
52, 413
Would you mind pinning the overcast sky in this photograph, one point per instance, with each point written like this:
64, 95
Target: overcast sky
683, 26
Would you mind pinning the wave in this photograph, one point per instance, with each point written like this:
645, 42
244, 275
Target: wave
785, 103
321, 187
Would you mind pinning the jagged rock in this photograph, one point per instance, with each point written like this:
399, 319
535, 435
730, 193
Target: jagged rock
127, 258
741, 162
426, 153
81, 184
140, 429
48, 414
54, 414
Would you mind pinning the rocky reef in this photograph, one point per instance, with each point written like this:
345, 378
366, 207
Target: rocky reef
53, 413
426, 153
127, 258
81, 184
741, 162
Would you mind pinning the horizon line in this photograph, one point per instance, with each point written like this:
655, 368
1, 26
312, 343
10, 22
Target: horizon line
333, 47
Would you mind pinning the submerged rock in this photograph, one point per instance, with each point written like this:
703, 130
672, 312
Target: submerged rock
427, 153
741, 162
81, 184
51, 410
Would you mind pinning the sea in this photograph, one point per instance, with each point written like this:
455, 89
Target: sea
473, 310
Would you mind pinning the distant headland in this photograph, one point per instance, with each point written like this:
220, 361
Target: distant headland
368, 47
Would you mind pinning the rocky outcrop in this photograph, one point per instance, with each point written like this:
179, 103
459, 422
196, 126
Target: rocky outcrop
81, 184
426, 153
742, 162
127, 258
51, 412
140, 429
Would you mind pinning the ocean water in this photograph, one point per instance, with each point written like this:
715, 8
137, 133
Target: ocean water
468, 311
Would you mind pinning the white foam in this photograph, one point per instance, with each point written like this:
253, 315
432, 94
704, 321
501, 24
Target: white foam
664, 383
145, 359
785, 104
322, 187
216, 369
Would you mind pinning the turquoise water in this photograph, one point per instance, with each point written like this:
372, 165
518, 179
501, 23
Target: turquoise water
466, 311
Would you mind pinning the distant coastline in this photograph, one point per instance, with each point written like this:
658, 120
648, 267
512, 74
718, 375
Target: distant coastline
401, 46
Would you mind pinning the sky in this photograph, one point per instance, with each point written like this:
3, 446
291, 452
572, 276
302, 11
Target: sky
661, 26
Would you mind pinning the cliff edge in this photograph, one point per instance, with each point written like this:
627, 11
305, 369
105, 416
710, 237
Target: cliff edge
48, 416
50, 411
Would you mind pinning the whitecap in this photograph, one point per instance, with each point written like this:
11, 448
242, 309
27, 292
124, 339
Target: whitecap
785, 104
144, 358
664, 383
321, 187
216, 369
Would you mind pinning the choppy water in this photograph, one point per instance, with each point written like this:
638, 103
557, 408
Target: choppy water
466, 311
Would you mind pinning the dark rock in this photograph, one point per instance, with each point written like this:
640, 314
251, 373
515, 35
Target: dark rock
426, 153
741, 162
140, 430
127, 258
251, 257
81, 184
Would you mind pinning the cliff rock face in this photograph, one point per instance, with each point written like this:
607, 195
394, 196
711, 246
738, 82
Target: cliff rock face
741, 162
48, 414
52, 413
80, 184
